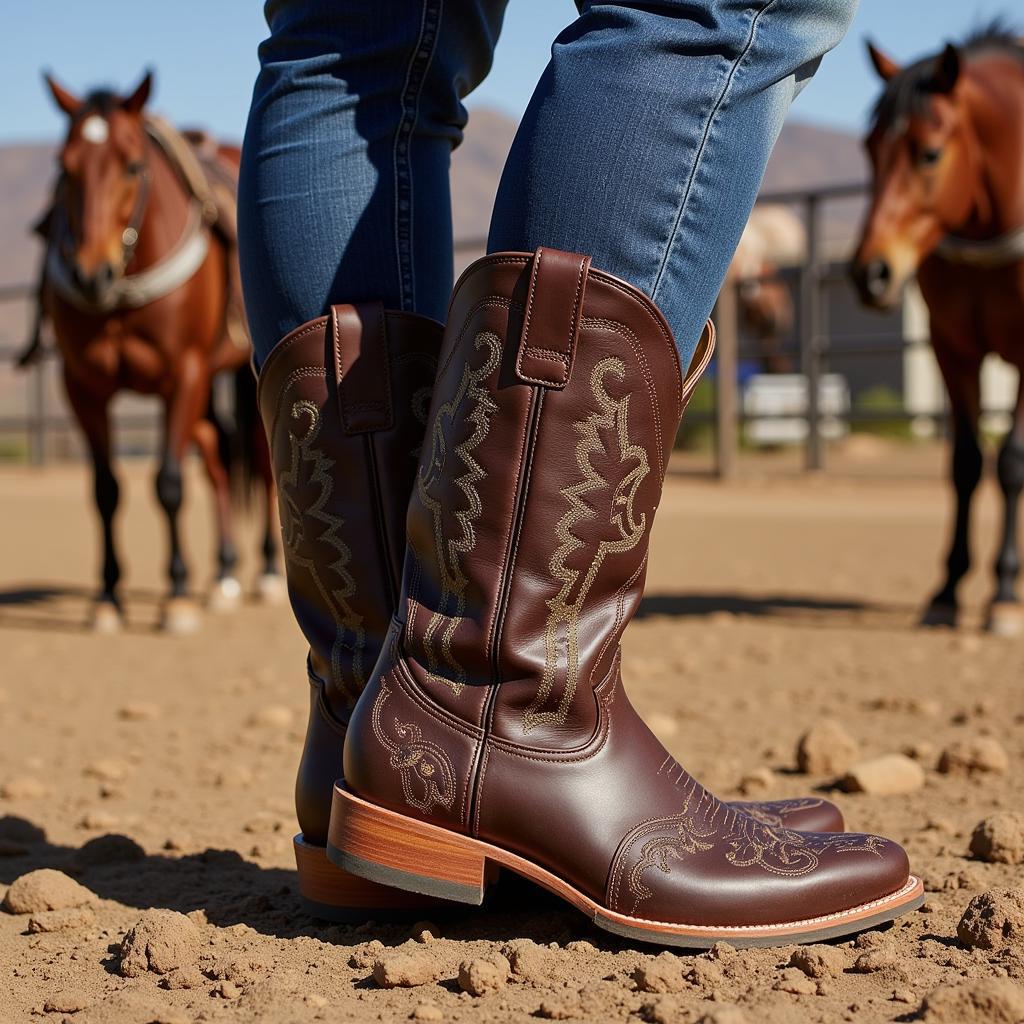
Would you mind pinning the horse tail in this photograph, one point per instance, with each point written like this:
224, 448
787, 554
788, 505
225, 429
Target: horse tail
249, 459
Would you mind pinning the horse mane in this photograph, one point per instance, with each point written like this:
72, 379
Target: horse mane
907, 93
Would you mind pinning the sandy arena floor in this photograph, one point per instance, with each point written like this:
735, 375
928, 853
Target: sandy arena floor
773, 604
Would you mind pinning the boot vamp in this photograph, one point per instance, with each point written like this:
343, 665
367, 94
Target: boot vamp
624, 823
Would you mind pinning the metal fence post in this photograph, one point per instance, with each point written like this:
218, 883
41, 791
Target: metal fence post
810, 331
726, 382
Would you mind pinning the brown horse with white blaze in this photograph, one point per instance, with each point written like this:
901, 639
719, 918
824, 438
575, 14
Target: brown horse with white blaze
136, 284
947, 151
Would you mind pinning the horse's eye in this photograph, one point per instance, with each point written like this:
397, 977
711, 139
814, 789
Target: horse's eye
133, 168
929, 156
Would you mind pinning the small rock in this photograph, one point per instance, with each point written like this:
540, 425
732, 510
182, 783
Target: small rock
661, 1010
45, 889
60, 920
427, 1011
160, 941
525, 957
979, 756
884, 776
825, 749
662, 974
425, 931
903, 995
139, 712
185, 978
985, 1001
366, 956
994, 920
405, 970
818, 961
999, 839
23, 787
479, 976
226, 990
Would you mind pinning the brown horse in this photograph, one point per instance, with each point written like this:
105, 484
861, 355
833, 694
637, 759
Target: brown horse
947, 150
136, 285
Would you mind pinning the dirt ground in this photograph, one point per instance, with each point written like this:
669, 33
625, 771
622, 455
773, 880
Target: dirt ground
773, 604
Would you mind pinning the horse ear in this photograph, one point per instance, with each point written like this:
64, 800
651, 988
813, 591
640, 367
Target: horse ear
947, 70
65, 100
884, 64
134, 103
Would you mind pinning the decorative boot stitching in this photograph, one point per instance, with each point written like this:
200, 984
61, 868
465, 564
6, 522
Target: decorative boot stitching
606, 433
312, 537
775, 812
466, 473
426, 771
705, 824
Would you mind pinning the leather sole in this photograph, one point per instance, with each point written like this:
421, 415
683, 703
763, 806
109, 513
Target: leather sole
394, 850
331, 894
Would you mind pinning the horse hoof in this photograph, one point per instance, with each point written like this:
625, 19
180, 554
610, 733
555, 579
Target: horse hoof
1006, 618
180, 616
939, 615
271, 589
225, 595
105, 619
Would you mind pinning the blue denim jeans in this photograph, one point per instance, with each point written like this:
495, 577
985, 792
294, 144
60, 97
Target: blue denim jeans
644, 146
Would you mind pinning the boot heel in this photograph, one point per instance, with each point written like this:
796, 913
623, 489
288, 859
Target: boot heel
394, 850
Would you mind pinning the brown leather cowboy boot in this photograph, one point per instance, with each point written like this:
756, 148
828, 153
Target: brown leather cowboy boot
344, 399
495, 731
344, 458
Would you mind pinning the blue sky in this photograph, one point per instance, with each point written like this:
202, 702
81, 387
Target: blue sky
204, 52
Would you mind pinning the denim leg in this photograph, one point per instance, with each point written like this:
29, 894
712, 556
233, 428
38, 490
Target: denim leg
647, 138
344, 193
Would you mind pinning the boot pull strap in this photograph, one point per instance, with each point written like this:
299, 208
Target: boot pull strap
361, 367
698, 364
551, 320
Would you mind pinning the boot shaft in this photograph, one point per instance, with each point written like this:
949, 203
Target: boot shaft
555, 408
344, 401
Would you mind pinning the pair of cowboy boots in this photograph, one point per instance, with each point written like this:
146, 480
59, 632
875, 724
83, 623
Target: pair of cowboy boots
465, 655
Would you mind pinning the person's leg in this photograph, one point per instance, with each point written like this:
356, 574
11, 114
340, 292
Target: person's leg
344, 193
647, 138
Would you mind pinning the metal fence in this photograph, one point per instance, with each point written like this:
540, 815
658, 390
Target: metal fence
817, 347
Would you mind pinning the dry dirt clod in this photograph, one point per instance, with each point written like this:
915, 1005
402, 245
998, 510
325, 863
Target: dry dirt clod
564, 1006
109, 849
425, 931
985, 1001
825, 749
526, 958
479, 977
662, 974
994, 920
978, 756
160, 941
405, 970
45, 889
999, 839
819, 961
884, 776
60, 920
797, 983
875, 960
67, 1002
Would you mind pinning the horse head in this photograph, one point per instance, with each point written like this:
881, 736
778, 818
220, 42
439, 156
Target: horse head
103, 185
926, 174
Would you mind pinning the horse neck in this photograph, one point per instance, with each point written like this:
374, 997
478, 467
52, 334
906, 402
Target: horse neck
165, 214
995, 100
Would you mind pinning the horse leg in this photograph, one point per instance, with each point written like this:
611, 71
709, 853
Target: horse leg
963, 383
94, 419
182, 412
226, 593
1006, 615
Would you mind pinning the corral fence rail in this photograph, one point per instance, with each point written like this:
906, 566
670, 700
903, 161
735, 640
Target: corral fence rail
817, 346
